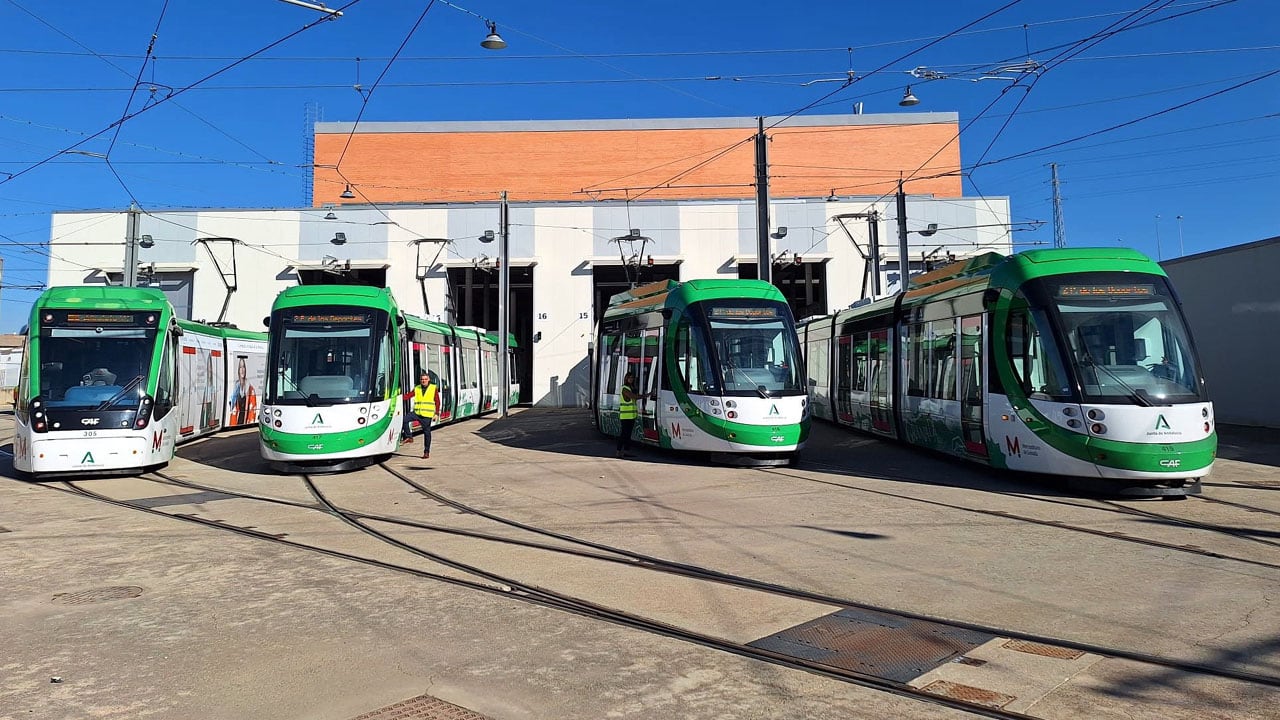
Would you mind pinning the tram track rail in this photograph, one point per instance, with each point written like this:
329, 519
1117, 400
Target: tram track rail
555, 600
608, 553
1058, 524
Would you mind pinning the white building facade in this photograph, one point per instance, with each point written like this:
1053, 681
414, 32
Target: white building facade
564, 259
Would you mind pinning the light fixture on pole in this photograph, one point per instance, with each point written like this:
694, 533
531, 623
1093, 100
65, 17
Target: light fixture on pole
318, 7
330, 216
908, 99
493, 41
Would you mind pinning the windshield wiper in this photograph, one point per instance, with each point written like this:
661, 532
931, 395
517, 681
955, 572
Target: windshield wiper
123, 391
1138, 396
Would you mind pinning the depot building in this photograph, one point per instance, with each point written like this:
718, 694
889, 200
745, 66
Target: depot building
591, 208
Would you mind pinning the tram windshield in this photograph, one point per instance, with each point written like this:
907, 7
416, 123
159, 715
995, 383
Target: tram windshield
327, 356
755, 347
96, 360
1124, 337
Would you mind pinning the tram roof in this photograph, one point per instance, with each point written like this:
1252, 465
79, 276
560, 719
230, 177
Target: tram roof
107, 297
996, 270
668, 293
358, 295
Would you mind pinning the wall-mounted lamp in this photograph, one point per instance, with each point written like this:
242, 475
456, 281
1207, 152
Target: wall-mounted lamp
487, 237
347, 194
146, 241
493, 41
832, 197
635, 232
933, 228
330, 216
780, 233
339, 239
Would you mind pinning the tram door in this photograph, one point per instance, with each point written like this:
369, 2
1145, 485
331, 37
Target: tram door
971, 385
881, 382
649, 381
843, 388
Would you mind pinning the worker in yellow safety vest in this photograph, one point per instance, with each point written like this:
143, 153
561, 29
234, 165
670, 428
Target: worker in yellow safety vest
627, 413
424, 397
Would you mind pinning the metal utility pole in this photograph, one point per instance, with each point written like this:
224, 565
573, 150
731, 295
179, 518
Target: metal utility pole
1059, 226
131, 247
904, 264
1182, 250
873, 249
763, 260
504, 291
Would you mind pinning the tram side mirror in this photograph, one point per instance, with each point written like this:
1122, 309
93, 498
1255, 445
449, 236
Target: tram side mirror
266, 321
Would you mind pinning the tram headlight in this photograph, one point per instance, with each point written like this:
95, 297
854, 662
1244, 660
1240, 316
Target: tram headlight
731, 414
1097, 415
39, 422
1204, 413
1098, 429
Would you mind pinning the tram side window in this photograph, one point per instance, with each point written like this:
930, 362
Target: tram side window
971, 359
612, 356
845, 368
918, 360
164, 385
1036, 362
861, 343
817, 361
691, 359
944, 360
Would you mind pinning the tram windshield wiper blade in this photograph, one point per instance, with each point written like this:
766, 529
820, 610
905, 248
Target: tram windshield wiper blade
123, 391
1137, 396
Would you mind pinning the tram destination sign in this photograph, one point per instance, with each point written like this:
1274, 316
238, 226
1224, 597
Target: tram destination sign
743, 313
93, 319
1109, 290
329, 318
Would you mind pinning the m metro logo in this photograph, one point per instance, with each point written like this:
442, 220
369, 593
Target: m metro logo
1013, 446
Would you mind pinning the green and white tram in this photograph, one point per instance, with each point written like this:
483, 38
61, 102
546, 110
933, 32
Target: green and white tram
342, 356
112, 381
1072, 362
717, 369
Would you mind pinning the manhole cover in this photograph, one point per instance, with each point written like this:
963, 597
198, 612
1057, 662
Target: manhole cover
423, 707
1035, 648
968, 693
84, 597
880, 644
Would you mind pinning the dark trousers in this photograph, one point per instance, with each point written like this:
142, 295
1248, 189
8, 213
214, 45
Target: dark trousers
409, 417
624, 436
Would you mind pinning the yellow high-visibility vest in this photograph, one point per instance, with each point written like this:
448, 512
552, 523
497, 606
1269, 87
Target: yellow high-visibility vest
424, 401
627, 408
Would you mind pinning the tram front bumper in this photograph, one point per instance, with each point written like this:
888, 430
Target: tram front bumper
90, 455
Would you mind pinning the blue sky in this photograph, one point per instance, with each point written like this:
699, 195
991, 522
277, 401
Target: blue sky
1142, 123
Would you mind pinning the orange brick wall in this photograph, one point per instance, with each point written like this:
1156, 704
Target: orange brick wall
615, 164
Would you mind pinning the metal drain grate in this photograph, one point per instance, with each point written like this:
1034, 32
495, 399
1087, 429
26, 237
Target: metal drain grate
123, 592
423, 707
879, 644
1035, 648
968, 693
